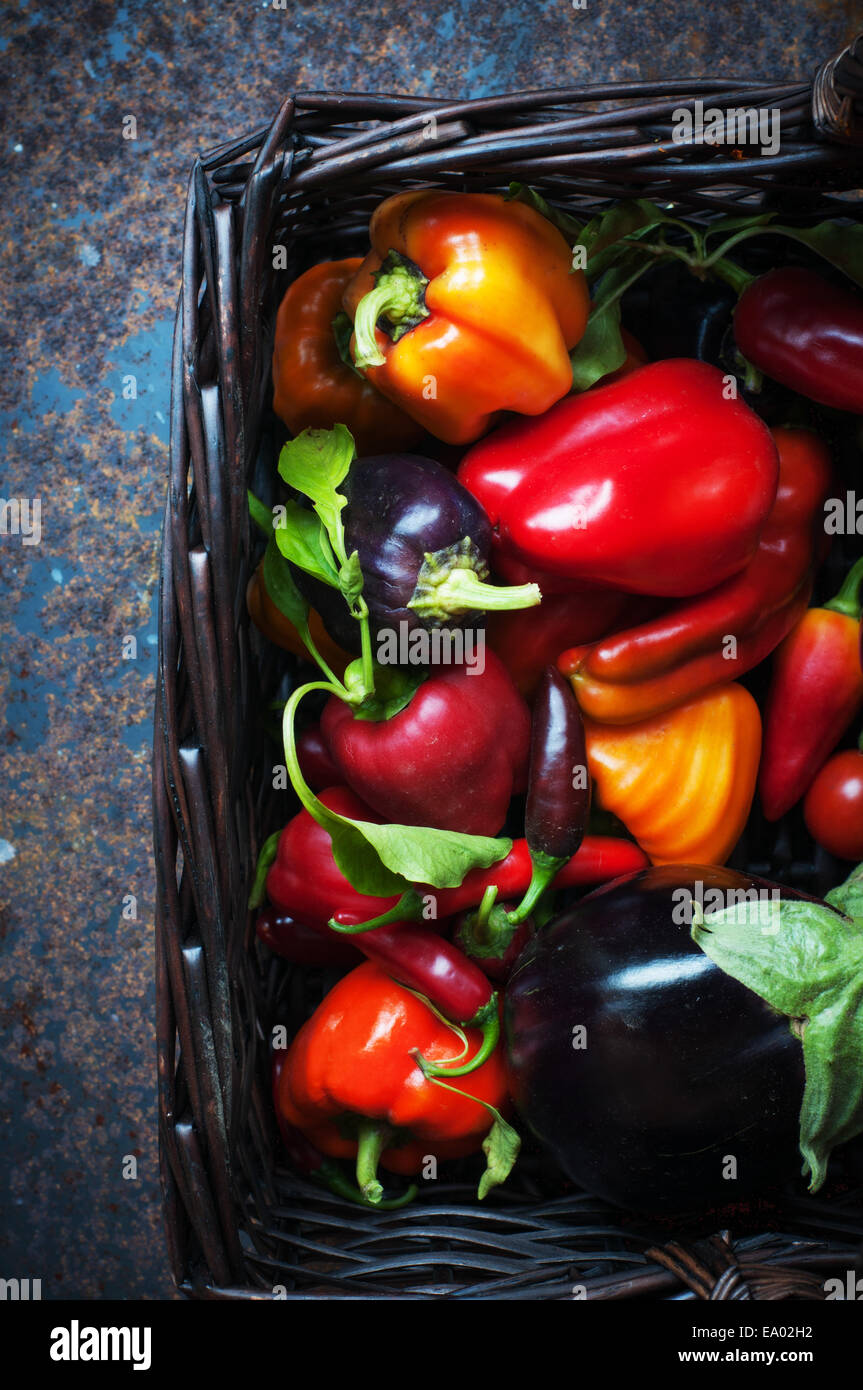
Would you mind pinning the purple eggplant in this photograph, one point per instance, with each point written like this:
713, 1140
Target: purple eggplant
656, 1080
423, 543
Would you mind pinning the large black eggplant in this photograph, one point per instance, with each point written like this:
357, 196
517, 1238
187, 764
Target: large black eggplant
684, 1088
413, 525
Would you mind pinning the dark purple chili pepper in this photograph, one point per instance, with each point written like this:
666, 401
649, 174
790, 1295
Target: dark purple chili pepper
558, 789
302, 944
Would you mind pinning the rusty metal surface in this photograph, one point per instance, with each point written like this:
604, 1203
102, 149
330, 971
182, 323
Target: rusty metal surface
89, 269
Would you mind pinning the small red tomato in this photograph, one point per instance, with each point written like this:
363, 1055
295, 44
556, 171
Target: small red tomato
833, 808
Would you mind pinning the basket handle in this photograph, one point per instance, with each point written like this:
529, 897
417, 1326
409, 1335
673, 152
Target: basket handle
837, 95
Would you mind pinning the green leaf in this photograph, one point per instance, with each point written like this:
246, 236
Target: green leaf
567, 225
501, 1148
279, 584
608, 237
806, 961
848, 897
411, 854
601, 350
736, 224
315, 464
302, 539
836, 242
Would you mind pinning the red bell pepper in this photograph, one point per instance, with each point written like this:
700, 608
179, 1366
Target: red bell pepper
806, 333
816, 689
659, 483
452, 758
353, 1085
716, 637
314, 758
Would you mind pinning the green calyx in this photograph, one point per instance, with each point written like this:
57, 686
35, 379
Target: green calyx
544, 868
847, 601
805, 959
486, 933
451, 582
398, 298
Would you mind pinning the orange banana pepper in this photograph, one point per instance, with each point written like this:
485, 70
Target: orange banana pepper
682, 782
313, 387
466, 305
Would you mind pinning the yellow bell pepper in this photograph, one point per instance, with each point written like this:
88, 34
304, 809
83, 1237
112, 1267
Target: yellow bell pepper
681, 782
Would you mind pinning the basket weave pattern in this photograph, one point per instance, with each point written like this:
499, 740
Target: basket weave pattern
238, 1225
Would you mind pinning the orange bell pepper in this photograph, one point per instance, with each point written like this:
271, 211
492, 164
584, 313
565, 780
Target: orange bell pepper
683, 781
272, 623
466, 305
352, 1082
313, 387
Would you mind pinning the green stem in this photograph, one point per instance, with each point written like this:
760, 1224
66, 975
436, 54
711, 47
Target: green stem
397, 296
407, 909
544, 869
488, 1020
292, 762
308, 643
372, 1139
732, 274
330, 1175
462, 591
847, 600
483, 912
368, 666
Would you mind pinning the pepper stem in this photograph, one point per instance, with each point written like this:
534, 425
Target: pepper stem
372, 1139
544, 869
847, 600
398, 296
407, 909
462, 591
488, 1020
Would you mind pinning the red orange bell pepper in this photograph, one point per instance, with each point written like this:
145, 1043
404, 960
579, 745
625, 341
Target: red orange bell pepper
466, 305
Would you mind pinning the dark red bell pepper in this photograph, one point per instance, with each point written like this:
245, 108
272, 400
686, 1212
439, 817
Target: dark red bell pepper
313, 755
816, 689
301, 944
452, 758
528, 640
658, 484
805, 332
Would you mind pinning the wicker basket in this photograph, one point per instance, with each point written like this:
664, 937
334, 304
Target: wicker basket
239, 1225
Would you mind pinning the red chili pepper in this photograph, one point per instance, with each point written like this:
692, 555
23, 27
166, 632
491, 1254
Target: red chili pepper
452, 758
313, 755
659, 483
648, 669
816, 689
806, 333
